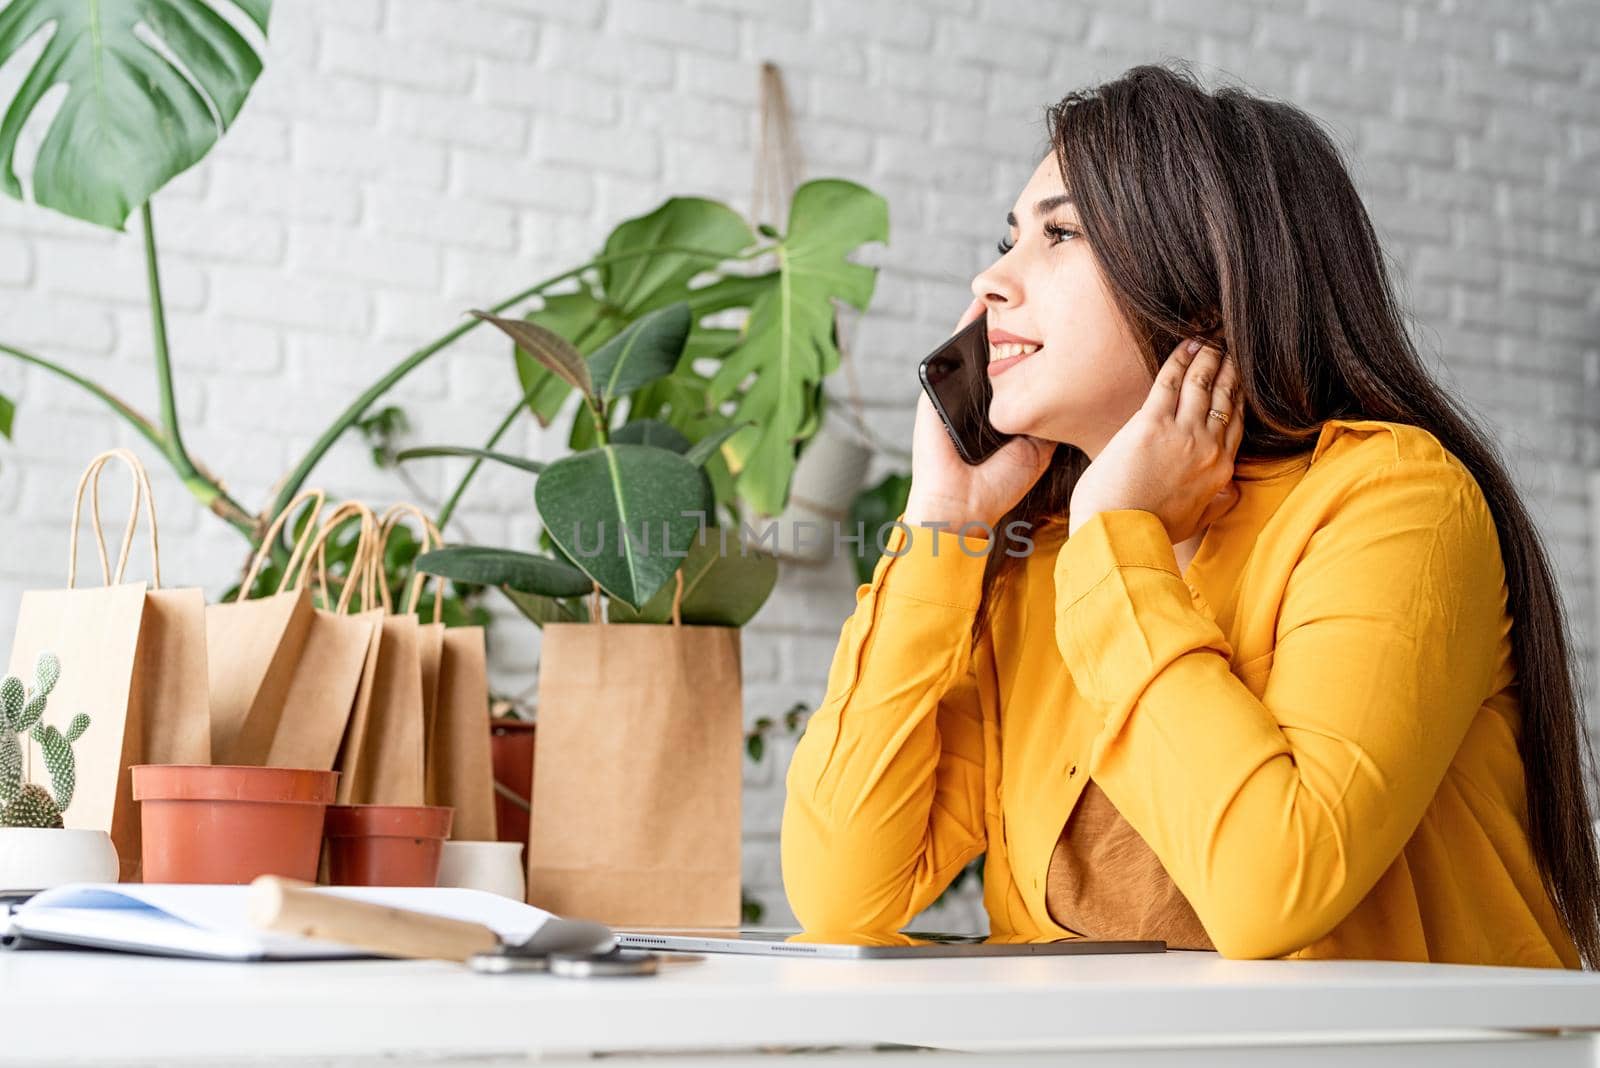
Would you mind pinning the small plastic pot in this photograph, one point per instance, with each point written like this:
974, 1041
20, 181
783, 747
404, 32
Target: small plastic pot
386, 845
220, 823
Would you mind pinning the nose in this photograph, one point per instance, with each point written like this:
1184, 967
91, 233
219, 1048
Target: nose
994, 285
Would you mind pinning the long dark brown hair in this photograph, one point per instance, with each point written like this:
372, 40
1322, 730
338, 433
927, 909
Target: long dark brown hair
1224, 213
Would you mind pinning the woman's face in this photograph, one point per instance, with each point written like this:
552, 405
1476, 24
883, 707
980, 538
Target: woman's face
1087, 377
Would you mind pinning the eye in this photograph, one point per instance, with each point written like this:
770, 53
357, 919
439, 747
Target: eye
1057, 234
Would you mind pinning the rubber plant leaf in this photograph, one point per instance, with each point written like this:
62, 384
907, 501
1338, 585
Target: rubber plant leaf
724, 585
547, 347
625, 514
150, 85
647, 350
651, 432
541, 610
483, 566
582, 319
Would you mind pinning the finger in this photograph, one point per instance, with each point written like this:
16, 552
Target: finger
1163, 398
1226, 387
1194, 398
1235, 431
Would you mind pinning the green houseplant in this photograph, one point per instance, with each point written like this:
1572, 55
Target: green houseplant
152, 85
624, 517
36, 851
633, 532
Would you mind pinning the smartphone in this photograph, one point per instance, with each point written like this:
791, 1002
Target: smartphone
956, 378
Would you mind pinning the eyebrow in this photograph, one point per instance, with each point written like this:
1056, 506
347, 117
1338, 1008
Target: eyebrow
1045, 206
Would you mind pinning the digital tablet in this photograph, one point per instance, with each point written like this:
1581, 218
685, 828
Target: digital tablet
773, 942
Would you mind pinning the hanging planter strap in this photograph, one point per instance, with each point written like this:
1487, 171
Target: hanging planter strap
143, 496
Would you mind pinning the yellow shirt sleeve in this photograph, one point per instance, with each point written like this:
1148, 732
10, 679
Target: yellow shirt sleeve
1275, 816
884, 799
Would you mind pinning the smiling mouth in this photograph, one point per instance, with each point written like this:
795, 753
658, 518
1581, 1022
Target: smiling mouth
1008, 355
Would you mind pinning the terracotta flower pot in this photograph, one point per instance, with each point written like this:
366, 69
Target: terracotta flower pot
511, 749
386, 845
227, 824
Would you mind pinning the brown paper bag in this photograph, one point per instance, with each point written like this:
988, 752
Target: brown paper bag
326, 691
458, 769
284, 674
132, 656
430, 636
381, 761
636, 790
460, 764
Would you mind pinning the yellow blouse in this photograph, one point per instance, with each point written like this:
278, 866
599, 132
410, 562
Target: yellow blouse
1314, 727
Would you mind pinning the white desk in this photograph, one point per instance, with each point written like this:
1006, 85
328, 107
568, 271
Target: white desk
1180, 1008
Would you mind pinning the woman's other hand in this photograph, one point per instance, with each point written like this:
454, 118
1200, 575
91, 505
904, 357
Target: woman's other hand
946, 489
1174, 457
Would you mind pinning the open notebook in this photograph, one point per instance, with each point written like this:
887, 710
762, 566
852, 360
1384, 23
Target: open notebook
211, 922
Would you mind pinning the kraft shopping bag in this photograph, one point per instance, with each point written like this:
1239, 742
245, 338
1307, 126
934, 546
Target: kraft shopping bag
381, 761
460, 767
284, 672
635, 818
133, 656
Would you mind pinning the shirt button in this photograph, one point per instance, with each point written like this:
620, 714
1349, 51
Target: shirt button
1072, 770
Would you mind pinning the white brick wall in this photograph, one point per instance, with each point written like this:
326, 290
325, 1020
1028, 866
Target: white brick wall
402, 160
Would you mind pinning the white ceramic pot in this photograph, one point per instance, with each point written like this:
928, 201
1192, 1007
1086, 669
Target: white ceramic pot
37, 858
492, 866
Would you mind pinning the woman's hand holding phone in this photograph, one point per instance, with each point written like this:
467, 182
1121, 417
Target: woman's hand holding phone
946, 489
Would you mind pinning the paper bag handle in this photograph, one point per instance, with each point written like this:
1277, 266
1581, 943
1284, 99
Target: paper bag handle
142, 494
319, 499
360, 569
431, 539
286, 906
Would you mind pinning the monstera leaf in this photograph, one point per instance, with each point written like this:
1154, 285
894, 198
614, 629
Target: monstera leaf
686, 235
789, 341
137, 111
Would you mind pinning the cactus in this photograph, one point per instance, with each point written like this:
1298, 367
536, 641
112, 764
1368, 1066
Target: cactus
22, 803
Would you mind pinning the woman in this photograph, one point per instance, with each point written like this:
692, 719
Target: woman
1272, 661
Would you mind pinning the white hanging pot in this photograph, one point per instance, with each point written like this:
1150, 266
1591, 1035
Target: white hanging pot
829, 474
37, 858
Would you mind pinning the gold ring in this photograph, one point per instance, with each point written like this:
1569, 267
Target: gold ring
1215, 414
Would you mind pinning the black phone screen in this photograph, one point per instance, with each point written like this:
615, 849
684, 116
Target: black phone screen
956, 378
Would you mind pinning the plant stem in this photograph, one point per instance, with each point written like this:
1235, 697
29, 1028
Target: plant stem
158, 324
207, 490
297, 477
134, 417
218, 501
472, 469
499, 432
